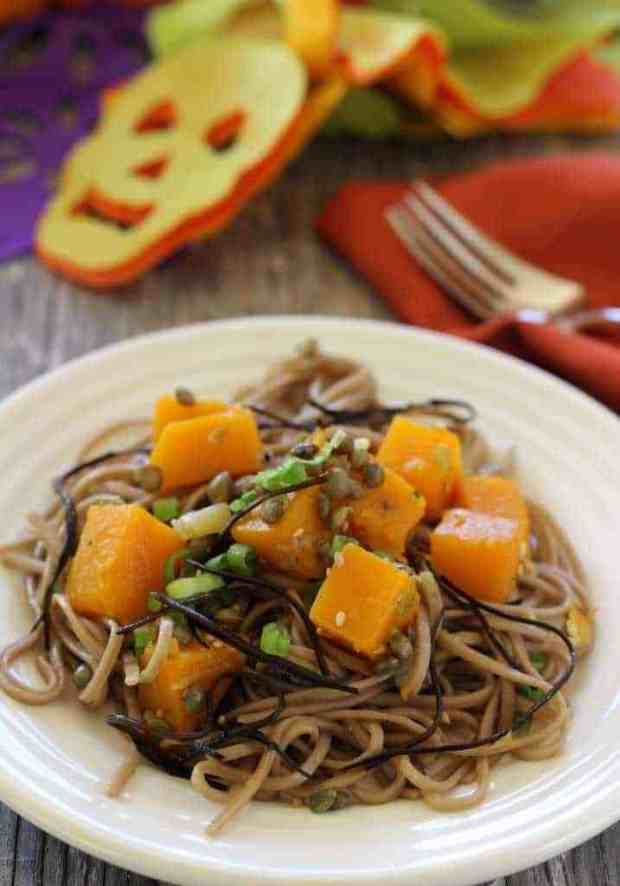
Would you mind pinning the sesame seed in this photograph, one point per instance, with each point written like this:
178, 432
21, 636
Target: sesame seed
341, 617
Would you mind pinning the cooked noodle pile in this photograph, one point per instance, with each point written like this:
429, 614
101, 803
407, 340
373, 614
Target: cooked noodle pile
427, 723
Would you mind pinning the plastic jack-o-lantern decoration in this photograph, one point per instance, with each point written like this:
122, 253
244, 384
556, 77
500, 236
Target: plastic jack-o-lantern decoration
178, 152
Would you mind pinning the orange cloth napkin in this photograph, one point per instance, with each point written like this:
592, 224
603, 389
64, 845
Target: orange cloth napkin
561, 212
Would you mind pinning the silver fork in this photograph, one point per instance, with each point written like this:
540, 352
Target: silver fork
478, 272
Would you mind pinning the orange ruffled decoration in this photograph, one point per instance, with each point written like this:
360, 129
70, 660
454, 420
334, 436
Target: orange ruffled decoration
167, 165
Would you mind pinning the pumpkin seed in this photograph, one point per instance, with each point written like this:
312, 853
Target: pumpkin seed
220, 489
373, 475
82, 676
148, 477
338, 484
184, 397
304, 450
195, 700
273, 509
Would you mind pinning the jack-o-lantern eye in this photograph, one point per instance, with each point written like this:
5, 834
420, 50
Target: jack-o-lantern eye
224, 133
159, 118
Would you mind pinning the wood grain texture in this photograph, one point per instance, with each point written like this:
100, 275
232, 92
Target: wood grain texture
268, 262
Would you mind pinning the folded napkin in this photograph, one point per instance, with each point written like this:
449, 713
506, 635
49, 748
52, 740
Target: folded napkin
561, 212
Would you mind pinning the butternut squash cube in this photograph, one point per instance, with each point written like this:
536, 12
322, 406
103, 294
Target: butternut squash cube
580, 629
168, 409
119, 561
188, 667
292, 544
497, 497
479, 553
194, 451
363, 600
383, 518
429, 458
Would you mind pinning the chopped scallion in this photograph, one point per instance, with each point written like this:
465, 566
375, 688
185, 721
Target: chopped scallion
290, 473
170, 567
206, 521
341, 541
142, 637
154, 604
539, 660
244, 501
219, 562
241, 559
166, 509
184, 588
275, 639
531, 692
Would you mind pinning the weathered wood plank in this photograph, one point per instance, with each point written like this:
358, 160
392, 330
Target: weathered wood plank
269, 262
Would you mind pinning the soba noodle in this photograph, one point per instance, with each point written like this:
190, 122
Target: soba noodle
429, 728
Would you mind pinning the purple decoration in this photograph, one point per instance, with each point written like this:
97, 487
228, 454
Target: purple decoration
52, 71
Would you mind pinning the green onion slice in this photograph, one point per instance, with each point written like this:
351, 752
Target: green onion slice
531, 692
241, 559
170, 566
142, 637
244, 501
183, 588
341, 541
166, 509
539, 660
275, 639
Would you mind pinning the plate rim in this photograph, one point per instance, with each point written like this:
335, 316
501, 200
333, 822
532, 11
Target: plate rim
13, 791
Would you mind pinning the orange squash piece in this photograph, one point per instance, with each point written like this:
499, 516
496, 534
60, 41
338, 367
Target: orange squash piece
193, 451
119, 561
374, 46
168, 409
188, 667
429, 458
363, 600
498, 497
292, 544
383, 518
479, 553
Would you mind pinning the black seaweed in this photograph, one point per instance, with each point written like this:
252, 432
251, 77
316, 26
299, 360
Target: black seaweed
68, 550
313, 481
451, 590
280, 421
435, 686
274, 590
101, 459
379, 415
178, 754
294, 672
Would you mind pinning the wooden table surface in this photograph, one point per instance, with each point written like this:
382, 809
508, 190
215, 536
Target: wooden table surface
268, 262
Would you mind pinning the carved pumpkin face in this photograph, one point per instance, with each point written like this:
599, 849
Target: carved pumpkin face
176, 154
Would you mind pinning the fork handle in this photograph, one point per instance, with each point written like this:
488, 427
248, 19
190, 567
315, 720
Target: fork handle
599, 319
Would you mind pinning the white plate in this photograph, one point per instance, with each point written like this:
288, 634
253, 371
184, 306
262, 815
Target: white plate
54, 760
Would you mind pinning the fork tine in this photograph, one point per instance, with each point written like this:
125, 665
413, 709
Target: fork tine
488, 250
403, 226
460, 278
498, 289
